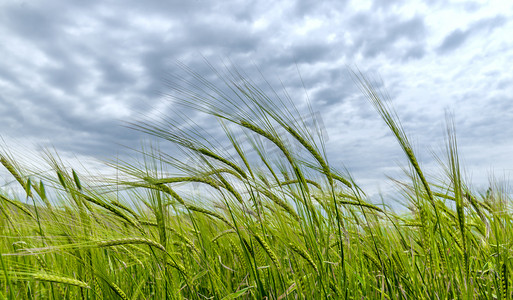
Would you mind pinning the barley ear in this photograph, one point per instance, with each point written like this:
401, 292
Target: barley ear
18, 205
210, 213
305, 255
268, 250
280, 203
61, 279
11, 168
504, 280
112, 209
221, 234
270, 137
124, 241
77, 180
118, 290
61, 179
211, 154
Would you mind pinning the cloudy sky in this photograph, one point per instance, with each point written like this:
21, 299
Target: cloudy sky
72, 73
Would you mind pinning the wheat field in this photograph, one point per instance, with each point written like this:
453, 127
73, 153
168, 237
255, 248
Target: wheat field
265, 216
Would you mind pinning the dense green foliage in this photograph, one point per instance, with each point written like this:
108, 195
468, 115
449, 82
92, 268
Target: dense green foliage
266, 218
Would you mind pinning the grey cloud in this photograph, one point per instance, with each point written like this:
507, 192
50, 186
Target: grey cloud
311, 53
332, 95
413, 28
455, 39
156, 64
386, 4
114, 77
398, 39
308, 52
458, 37
415, 52
337, 87
11, 117
225, 35
105, 49
504, 84
67, 77
31, 23
8, 75
304, 8
489, 24
490, 112
171, 8
124, 53
472, 6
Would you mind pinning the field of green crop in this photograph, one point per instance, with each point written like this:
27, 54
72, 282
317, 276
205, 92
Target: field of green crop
264, 217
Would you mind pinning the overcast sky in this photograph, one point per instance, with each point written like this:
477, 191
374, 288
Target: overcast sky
72, 72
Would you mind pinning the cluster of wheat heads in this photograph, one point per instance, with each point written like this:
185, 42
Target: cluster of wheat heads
266, 217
